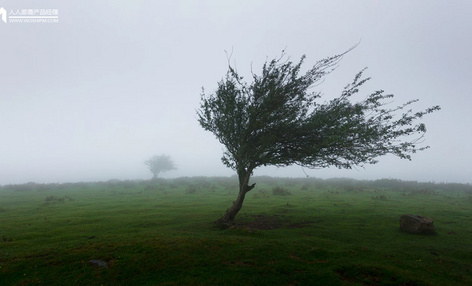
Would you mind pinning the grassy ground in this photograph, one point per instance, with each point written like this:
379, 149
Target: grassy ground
290, 232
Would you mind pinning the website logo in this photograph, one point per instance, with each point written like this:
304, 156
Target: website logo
29, 15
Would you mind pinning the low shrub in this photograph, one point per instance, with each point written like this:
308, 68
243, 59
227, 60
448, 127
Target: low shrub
191, 190
279, 191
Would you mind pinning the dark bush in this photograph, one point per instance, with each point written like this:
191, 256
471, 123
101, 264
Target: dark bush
191, 190
4, 238
279, 191
49, 199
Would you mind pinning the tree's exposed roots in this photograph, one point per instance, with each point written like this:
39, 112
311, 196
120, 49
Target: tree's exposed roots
223, 223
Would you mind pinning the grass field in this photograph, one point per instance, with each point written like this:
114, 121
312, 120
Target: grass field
289, 232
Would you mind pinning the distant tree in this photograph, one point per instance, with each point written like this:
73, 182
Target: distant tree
158, 164
276, 120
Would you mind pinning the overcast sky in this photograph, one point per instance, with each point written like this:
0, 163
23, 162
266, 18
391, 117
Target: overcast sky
112, 83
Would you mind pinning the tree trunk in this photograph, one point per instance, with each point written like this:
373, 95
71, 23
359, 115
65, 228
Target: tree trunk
156, 174
227, 219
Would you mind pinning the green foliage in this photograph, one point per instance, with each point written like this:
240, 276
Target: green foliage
324, 233
276, 120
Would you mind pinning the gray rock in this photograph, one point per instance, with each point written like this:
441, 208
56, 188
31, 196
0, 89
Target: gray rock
99, 263
416, 224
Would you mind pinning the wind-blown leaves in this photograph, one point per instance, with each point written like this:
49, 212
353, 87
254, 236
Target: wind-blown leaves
276, 120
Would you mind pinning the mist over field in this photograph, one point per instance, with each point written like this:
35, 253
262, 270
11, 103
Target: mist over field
113, 83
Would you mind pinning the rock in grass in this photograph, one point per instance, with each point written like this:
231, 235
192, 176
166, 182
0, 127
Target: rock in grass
416, 224
99, 263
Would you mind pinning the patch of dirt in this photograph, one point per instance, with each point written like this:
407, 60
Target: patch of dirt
300, 224
265, 222
262, 222
238, 262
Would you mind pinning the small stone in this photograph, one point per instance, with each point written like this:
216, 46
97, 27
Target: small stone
417, 224
99, 263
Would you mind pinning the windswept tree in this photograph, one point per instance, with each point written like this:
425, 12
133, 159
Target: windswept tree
278, 120
158, 164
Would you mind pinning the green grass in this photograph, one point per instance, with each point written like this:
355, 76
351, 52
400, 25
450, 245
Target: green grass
321, 232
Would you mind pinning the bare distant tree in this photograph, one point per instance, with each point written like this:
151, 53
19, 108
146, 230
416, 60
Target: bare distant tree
158, 164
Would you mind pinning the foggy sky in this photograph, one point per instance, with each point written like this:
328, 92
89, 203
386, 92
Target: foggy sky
115, 82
